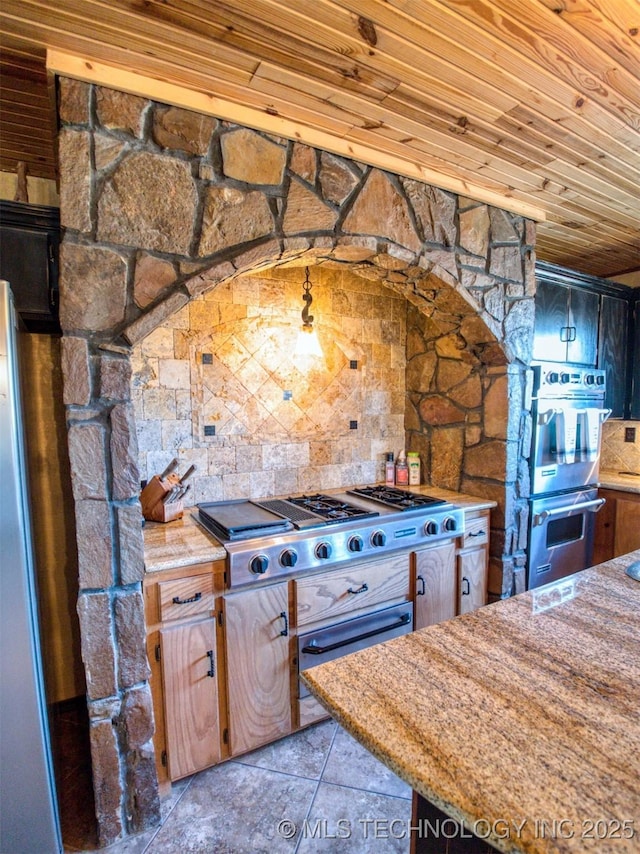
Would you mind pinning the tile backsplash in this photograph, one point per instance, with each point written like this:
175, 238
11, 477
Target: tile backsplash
221, 385
618, 455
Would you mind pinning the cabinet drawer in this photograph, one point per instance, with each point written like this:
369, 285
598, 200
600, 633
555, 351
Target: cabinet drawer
342, 591
185, 597
476, 531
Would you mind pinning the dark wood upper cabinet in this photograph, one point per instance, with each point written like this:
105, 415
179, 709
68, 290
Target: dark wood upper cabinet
583, 320
29, 245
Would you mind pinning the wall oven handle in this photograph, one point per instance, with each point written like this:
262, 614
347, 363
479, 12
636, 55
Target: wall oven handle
312, 649
592, 506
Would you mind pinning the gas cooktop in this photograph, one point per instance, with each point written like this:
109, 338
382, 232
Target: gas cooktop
272, 538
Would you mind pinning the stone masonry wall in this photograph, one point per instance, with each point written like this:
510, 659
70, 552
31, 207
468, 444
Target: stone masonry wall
219, 385
160, 206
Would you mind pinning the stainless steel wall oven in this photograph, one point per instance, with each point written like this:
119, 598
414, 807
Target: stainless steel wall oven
568, 414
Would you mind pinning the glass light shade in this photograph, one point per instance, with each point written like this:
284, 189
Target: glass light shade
307, 343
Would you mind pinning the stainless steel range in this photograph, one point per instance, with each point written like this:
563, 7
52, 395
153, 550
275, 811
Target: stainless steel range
270, 539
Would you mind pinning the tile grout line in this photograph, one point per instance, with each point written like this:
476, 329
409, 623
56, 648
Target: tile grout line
318, 783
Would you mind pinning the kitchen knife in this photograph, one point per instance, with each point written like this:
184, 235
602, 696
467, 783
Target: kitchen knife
187, 474
169, 468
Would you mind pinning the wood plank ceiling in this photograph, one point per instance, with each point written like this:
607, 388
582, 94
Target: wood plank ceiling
532, 102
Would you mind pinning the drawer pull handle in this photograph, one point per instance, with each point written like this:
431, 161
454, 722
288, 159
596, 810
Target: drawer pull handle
467, 591
212, 670
423, 586
178, 601
362, 589
477, 533
285, 631
312, 649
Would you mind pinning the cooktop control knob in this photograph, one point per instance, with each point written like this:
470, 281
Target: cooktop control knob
449, 524
259, 564
378, 539
355, 544
323, 551
431, 528
589, 379
565, 378
599, 380
553, 377
288, 558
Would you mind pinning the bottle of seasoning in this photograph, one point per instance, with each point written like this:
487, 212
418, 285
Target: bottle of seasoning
402, 470
413, 461
389, 470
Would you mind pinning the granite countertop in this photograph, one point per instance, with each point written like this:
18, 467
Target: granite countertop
513, 713
185, 542
619, 480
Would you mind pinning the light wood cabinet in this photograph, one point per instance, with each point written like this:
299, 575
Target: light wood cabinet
617, 530
190, 686
183, 646
257, 642
435, 582
473, 562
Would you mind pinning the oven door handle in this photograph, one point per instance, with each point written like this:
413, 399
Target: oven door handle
319, 650
592, 506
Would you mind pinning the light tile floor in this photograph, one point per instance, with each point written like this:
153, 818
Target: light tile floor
317, 790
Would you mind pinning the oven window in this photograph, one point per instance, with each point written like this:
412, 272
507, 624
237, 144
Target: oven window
567, 530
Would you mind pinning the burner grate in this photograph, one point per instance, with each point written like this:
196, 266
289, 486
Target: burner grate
329, 508
400, 499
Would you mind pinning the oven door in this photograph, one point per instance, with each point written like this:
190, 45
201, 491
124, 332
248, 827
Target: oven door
350, 636
561, 529
566, 443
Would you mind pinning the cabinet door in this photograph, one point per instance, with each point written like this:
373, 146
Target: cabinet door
258, 680
551, 321
472, 573
436, 588
635, 376
582, 344
627, 525
612, 351
188, 655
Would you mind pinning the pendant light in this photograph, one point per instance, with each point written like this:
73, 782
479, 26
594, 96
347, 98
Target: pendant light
307, 343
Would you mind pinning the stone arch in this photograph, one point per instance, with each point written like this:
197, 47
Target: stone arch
159, 207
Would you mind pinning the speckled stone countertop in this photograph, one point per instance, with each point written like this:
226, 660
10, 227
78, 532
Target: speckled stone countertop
618, 480
181, 543
512, 713
185, 542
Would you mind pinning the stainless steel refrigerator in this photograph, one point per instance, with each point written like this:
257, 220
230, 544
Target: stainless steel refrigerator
28, 807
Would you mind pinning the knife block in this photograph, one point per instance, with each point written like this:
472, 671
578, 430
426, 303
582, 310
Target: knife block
155, 507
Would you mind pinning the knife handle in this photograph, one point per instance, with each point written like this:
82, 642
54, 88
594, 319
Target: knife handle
169, 468
188, 473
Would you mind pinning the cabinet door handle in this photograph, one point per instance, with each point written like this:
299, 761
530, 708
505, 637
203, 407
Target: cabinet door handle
564, 334
362, 589
178, 601
423, 589
477, 533
285, 631
465, 581
212, 669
